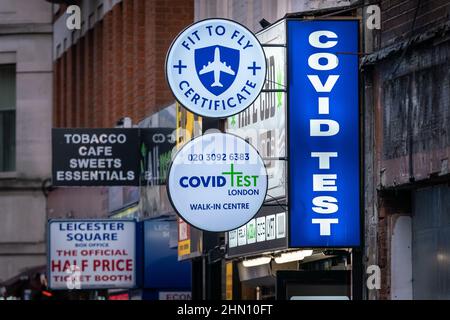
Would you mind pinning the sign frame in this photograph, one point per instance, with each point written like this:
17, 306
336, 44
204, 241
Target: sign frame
198, 22
62, 153
360, 129
137, 250
170, 168
260, 247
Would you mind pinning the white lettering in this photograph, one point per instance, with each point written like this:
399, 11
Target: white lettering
324, 158
325, 205
374, 17
325, 225
319, 87
324, 105
314, 39
74, 19
317, 124
332, 61
324, 182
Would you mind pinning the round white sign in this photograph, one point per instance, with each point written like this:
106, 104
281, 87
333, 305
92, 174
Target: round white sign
217, 182
216, 68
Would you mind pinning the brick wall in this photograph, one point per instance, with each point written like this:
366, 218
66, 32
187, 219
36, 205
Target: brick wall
397, 17
117, 68
407, 143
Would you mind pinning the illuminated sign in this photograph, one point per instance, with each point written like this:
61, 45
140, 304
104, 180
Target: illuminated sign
162, 270
92, 254
324, 134
217, 182
156, 152
263, 124
265, 232
216, 68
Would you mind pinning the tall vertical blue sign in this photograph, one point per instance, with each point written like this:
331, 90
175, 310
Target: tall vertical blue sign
324, 160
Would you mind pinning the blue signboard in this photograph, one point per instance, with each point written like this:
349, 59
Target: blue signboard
162, 270
324, 193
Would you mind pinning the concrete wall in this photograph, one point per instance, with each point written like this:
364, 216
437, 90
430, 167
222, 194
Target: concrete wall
26, 40
79, 202
24, 12
250, 12
22, 231
92, 11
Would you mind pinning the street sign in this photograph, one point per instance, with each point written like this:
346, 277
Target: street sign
216, 68
324, 154
95, 157
91, 254
217, 182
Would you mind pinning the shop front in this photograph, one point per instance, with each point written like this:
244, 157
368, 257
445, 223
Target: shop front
301, 243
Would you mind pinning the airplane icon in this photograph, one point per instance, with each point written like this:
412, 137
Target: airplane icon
216, 66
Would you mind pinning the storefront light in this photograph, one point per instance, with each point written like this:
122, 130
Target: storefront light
307, 253
293, 256
256, 262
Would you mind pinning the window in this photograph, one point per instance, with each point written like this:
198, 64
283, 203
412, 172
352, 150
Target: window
7, 117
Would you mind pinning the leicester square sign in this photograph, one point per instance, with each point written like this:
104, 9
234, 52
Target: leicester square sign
324, 155
91, 254
217, 182
216, 68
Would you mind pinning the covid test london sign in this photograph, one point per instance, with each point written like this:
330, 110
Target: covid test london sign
323, 133
92, 254
216, 68
217, 182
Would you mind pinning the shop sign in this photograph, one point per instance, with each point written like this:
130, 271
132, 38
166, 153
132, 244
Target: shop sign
217, 182
92, 254
162, 270
229, 280
216, 68
324, 153
156, 149
189, 241
266, 232
95, 157
263, 124
156, 153
189, 238
120, 296
184, 238
174, 295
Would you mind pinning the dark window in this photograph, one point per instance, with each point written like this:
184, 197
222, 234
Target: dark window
7, 117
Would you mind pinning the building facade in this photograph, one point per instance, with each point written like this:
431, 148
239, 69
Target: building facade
406, 118
405, 106
238, 279
109, 69
251, 12
25, 126
112, 68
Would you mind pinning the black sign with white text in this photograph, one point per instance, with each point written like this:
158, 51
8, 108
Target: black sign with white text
95, 157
